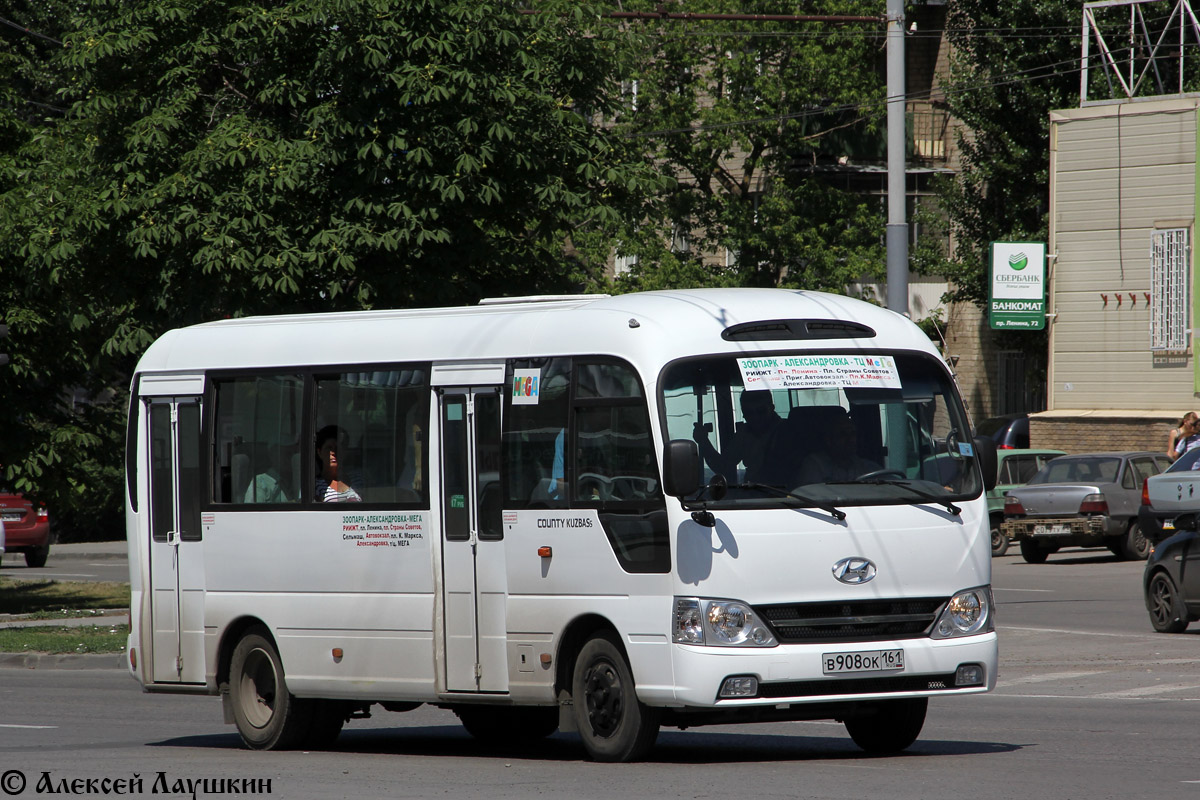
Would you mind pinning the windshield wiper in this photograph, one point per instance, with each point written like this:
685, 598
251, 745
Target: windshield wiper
929, 497
778, 492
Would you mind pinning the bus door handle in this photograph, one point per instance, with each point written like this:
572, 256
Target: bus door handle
173, 539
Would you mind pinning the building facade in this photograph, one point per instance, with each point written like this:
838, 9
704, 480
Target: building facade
1123, 184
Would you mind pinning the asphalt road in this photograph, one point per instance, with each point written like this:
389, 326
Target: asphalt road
1091, 704
100, 561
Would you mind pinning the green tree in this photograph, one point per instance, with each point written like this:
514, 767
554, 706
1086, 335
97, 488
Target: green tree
1002, 89
755, 123
221, 159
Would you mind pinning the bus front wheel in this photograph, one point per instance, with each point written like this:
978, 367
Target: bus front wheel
893, 726
268, 717
614, 724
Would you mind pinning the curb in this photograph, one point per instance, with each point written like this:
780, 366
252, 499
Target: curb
92, 555
62, 661
109, 616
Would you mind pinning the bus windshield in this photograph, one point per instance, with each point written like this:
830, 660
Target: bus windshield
817, 429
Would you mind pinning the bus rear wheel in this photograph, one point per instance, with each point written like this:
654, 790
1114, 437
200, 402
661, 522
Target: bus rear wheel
613, 723
894, 725
268, 717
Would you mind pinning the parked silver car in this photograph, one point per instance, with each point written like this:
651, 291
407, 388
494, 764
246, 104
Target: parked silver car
1085, 500
1164, 497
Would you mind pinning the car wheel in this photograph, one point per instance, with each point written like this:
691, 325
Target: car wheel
1167, 612
35, 557
893, 726
1032, 553
613, 723
999, 540
268, 717
1134, 545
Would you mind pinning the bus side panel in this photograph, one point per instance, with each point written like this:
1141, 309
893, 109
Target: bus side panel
581, 577
367, 588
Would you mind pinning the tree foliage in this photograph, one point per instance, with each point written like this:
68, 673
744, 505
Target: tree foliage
1003, 88
220, 159
755, 122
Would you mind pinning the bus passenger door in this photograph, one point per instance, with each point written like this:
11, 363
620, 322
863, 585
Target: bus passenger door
176, 567
474, 578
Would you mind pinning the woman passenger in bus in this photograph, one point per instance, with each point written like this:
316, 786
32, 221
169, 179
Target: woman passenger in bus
330, 488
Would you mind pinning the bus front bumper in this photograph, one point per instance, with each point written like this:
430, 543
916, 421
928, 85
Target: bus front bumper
798, 674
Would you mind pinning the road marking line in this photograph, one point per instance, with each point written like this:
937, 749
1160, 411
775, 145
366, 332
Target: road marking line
1051, 676
1006, 696
1155, 636
1146, 691
1006, 589
58, 574
30, 727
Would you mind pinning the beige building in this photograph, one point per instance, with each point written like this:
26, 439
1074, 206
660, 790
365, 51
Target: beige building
1123, 185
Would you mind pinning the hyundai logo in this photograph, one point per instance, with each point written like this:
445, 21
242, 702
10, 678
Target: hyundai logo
855, 569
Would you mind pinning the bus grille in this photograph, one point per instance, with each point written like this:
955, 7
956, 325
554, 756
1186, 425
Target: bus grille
897, 683
853, 621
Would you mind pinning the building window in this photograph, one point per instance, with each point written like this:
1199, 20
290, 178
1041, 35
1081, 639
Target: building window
680, 240
623, 264
1170, 288
1010, 382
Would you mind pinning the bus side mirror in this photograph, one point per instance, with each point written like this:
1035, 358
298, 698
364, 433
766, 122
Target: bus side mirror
985, 449
681, 468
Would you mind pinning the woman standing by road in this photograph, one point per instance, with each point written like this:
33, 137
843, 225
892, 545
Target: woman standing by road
1185, 437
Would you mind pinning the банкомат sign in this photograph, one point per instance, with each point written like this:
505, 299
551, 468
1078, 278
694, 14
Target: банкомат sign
1017, 298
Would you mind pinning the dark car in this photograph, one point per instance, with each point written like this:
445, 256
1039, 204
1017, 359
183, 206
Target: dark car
1009, 432
26, 527
1171, 583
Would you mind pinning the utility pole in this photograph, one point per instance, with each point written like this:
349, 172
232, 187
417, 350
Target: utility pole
897, 189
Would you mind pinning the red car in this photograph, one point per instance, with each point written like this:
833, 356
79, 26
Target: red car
26, 528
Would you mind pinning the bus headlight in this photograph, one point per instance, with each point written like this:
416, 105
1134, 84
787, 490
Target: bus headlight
719, 623
969, 612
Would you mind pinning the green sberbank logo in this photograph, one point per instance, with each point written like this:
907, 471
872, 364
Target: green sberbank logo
1018, 261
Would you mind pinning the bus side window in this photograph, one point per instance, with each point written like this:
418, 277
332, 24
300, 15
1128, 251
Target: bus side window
257, 427
535, 441
614, 450
379, 417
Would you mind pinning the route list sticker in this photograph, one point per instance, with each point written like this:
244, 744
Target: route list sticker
383, 530
819, 372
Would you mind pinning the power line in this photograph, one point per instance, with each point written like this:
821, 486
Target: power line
1021, 76
23, 29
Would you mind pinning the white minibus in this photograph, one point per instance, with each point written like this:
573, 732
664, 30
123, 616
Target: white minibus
583, 513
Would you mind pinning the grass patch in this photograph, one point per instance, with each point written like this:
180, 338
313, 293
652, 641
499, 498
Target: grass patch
61, 598
64, 639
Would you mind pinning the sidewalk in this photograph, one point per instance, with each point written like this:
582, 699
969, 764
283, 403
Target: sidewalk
118, 549
115, 616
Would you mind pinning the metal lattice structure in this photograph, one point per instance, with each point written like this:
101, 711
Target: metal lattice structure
1144, 49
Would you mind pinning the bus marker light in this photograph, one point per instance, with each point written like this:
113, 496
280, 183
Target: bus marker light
133, 657
337, 654
546, 659
545, 552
